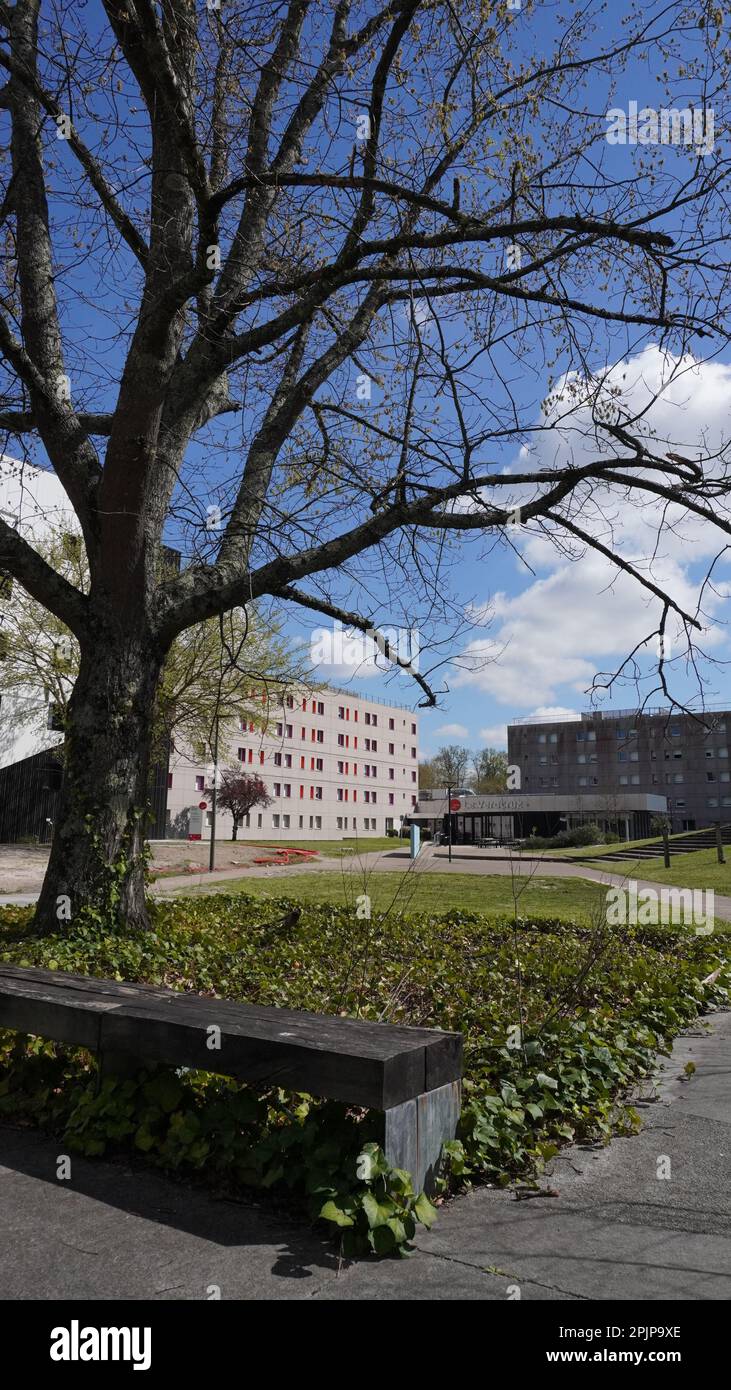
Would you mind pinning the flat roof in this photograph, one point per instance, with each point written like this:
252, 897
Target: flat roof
507, 805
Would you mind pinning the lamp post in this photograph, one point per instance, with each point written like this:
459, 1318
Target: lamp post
449, 821
214, 799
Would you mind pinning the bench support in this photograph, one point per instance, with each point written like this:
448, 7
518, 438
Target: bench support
416, 1130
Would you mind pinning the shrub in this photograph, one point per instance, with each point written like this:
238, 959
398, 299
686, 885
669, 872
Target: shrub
558, 1022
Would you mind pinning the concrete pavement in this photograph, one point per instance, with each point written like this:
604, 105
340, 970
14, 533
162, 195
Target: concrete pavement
617, 1229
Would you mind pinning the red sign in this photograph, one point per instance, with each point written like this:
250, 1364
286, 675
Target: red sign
455, 804
202, 805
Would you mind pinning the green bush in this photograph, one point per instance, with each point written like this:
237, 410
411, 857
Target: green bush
558, 1022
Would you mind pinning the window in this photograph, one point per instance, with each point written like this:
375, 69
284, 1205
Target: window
678, 777
374, 771
621, 733
170, 779
413, 730
199, 783
541, 738
277, 760
288, 730
320, 707
275, 822
279, 730
341, 711
368, 745
708, 752
413, 752
635, 779
339, 822
300, 823
374, 719
341, 740
241, 754
722, 752
318, 764
413, 776
288, 789
374, 797
285, 822
392, 749
710, 776
623, 781
543, 761
318, 822
288, 760
391, 724
290, 702
392, 774
712, 801
277, 789
680, 805
675, 731
553, 738
391, 798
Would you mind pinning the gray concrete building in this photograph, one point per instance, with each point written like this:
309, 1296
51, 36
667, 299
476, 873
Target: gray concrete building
610, 755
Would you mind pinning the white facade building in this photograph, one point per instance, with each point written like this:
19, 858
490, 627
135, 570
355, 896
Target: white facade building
335, 764
34, 503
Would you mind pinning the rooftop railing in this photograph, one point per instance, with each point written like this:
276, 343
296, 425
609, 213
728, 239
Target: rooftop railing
587, 716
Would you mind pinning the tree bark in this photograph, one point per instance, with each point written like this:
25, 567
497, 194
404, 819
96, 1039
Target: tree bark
97, 861
235, 831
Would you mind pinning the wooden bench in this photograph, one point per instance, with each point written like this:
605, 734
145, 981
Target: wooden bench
411, 1074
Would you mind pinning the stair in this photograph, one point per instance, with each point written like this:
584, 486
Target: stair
677, 844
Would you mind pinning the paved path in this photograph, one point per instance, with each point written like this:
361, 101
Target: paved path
616, 1230
464, 861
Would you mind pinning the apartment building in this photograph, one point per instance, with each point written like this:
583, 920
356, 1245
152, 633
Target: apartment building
335, 764
612, 754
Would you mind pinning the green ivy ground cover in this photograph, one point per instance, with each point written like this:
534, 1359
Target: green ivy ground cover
559, 1021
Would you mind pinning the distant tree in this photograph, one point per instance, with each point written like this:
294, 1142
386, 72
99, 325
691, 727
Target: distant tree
490, 767
238, 793
427, 774
451, 765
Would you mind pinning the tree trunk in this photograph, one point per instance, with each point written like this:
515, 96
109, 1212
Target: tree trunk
97, 862
235, 831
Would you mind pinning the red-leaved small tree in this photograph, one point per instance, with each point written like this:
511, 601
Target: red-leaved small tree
239, 793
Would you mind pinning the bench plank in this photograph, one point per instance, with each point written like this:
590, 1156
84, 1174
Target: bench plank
375, 1065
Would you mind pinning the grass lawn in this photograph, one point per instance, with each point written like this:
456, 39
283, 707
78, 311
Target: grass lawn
700, 869
367, 845
567, 899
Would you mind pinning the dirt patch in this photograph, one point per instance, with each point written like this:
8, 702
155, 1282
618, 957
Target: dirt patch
22, 866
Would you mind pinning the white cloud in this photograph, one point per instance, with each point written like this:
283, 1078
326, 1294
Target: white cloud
494, 736
583, 616
453, 731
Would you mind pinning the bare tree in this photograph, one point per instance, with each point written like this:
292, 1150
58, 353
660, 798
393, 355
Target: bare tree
451, 765
284, 281
490, 767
